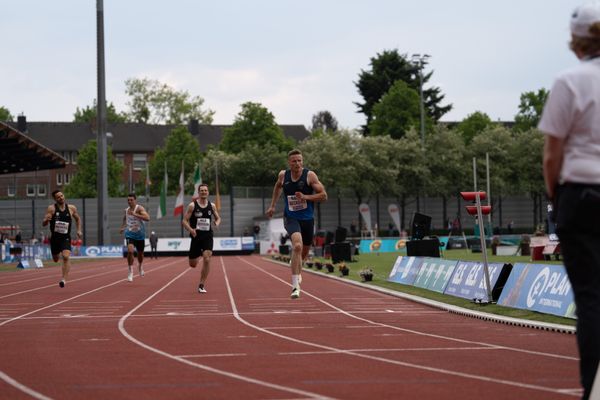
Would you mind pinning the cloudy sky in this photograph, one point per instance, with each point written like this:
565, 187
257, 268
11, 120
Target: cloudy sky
294, 57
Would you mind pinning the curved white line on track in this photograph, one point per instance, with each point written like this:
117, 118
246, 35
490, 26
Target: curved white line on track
54, 284
203, 366
23, 388
382, 325
16, 384
375, 358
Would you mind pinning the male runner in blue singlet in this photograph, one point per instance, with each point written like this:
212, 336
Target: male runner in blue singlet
301, 188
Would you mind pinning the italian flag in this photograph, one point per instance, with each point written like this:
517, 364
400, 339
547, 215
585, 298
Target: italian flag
162, 206
197, 181
179, 200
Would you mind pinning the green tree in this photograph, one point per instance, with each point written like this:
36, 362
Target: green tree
473, 125
87, 114
84, 183
445, 154
530, 109
5, 114
254, 124
334, 157
157, 103
396, 112
179, 145
413, 171
324, 121
387, 68
257, 165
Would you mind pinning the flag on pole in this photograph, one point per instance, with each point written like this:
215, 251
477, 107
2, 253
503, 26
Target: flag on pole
148, 182
197, 181
162, 206
217, 196
179, 200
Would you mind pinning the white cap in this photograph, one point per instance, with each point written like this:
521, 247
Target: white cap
153, 232
583, 17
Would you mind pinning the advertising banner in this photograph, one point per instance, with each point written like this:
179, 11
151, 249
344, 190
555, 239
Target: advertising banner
468, 279
539, 287
382, 246
365, 212
97, 251
435, 274
405, 270
395, 215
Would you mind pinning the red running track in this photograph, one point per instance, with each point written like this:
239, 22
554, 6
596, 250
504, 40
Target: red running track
102, 337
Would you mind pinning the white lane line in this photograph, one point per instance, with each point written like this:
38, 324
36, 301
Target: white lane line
361, 350
23, 388
16, 384
386, 360
353, 315
204, 366
213, 355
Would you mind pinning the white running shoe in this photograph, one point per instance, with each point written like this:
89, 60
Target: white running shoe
130, 276
201, 288
141, 271
295, 293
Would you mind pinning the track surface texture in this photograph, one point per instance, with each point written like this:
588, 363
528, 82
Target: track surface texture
102, 337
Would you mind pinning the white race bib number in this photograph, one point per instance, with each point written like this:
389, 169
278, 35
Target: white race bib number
295, 204
203, 224
133, 224
61, 227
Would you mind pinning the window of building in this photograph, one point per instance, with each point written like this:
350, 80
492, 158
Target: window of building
67, 179
59, 179
74, 156
139, 162
11, 192
66, 155
41, 190
120, 157
31, 190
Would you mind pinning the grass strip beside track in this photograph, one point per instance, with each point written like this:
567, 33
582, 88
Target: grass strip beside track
382, 264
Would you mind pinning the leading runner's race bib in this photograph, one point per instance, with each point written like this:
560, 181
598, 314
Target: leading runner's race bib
61, 227
295, 204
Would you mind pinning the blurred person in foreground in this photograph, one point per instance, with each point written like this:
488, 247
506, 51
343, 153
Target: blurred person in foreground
301, 189
571, 125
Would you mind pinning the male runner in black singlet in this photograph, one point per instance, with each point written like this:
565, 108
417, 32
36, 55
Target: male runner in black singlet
198, 221
60, 216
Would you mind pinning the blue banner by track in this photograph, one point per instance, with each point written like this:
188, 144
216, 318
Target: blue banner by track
468, 280
405, 270
435, 273
539, 287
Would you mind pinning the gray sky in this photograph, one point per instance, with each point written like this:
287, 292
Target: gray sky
294, 57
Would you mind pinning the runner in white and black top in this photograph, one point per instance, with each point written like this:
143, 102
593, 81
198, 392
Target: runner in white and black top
60, 216
198, 220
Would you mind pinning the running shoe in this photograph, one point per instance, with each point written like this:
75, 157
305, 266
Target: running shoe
201, 288
141, 271
61, 283
130, 276
295, 293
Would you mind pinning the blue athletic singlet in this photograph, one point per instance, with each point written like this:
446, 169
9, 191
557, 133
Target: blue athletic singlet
294, 208
136, 228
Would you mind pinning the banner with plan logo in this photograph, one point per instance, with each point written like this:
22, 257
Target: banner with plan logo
539, 287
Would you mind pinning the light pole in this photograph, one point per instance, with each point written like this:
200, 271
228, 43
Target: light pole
102, 176
419, 61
